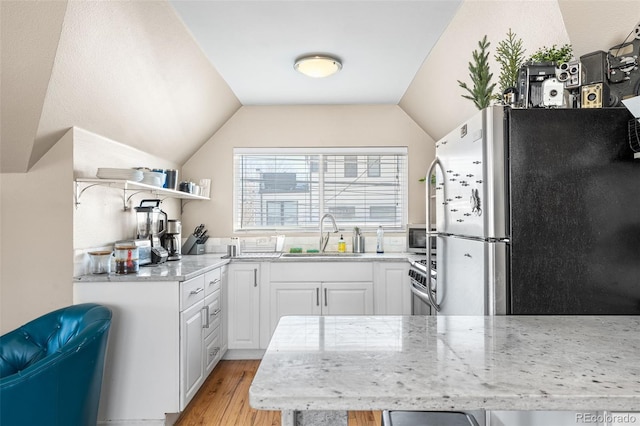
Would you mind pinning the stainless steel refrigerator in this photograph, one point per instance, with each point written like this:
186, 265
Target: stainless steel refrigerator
537, 212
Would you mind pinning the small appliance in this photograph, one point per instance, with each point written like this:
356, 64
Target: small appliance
152, 225
417, 241
172, 240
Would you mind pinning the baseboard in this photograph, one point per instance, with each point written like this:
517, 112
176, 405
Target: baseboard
240, 354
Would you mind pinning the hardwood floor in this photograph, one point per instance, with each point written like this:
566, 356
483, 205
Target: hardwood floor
223, 400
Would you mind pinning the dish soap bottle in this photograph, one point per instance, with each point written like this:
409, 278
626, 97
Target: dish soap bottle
342, 245
380, 240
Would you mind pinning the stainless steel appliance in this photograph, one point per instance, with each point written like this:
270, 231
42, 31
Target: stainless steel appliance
417, 241
422, 286
152, 225
172, 240
536, 213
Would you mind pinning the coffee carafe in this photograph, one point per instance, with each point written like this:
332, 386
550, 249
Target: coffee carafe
152, 225
172, 240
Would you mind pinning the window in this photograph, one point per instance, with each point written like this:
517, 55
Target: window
284, 189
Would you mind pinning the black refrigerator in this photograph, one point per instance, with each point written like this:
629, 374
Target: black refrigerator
538, 213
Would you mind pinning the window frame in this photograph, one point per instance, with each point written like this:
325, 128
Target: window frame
358, 151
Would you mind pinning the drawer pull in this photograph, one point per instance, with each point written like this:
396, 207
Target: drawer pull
216, 312
198, 290
214, 282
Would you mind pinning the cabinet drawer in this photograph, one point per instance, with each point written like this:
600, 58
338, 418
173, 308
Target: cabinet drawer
214, 308
211, 281
191, 291
321, 271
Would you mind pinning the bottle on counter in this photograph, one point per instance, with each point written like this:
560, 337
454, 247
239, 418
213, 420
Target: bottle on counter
380, 240
342, 245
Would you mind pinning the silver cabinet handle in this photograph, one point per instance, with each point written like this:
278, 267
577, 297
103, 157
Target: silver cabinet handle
325, 297
198, 290
215, 313
217, 280
317, 296
207, 317
255, 277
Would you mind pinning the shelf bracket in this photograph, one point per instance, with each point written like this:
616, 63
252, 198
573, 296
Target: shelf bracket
79, 192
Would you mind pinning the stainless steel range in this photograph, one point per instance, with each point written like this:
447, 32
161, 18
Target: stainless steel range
422, 288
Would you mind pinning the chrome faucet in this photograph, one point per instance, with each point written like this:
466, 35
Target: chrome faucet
324, 240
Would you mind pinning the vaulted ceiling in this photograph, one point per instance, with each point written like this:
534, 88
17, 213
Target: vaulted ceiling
163, 76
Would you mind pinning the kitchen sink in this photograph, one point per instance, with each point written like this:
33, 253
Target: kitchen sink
325, 254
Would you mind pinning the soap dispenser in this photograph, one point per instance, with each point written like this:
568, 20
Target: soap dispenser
342, 245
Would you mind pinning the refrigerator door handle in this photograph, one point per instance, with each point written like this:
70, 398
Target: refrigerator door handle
430, 170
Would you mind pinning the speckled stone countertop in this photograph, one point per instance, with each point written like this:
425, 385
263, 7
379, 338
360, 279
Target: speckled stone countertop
451, 363
193, 265
180, 270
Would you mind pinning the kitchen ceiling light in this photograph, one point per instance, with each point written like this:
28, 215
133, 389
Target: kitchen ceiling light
318, 66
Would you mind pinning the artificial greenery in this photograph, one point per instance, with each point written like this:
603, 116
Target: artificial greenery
553, 54
510, 57
482, 90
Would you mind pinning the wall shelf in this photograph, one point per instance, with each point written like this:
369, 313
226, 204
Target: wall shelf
129, 189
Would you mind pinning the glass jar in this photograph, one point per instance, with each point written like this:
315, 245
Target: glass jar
100, 262
127, 258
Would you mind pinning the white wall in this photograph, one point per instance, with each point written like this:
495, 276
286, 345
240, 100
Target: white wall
434, 98
36, 214
128, 70
43, 237
304, 126
100, 218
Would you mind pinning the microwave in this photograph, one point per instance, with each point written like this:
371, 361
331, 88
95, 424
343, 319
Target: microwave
417, 239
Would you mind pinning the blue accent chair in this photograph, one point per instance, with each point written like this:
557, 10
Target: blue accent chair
51, 368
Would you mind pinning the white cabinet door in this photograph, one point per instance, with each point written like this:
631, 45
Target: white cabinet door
392, 291
347, 298
244, 306
191, 352
293, 299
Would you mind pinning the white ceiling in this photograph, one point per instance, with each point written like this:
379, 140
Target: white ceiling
253, 45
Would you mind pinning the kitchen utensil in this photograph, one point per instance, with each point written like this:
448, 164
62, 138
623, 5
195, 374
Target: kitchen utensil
100, 262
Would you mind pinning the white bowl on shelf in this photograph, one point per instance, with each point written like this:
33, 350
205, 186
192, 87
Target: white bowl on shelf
153, 178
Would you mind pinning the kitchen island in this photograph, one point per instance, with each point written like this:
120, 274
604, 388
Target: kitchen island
317, 368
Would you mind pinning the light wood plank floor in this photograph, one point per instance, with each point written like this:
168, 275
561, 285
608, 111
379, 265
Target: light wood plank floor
223, 400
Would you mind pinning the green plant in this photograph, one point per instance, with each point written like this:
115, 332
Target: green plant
553, 54
510, 56
480, 77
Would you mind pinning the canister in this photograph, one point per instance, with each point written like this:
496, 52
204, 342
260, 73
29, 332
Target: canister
127, 258
100, 262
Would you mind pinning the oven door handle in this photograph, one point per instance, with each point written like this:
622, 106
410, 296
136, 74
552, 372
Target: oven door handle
426, 296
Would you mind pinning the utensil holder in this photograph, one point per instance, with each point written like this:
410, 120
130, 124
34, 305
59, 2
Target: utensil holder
358, 243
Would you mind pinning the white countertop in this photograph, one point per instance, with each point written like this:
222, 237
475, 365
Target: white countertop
188, 267
192, 265
451, 363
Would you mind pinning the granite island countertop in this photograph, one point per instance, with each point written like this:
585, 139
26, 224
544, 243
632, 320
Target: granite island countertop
451, 363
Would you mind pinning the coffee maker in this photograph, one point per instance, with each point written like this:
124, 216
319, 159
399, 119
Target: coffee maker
152, 226
172, 240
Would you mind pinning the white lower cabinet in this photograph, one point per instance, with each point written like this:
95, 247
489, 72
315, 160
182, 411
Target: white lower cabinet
392, 288
319, 288
244, 305
191, 350
165, 339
